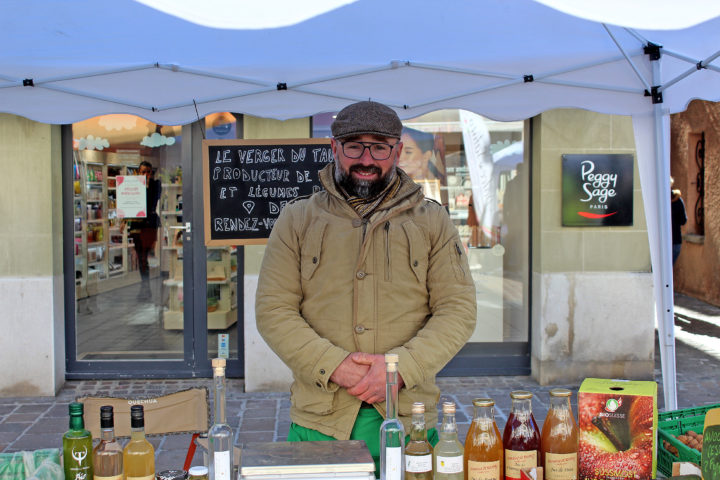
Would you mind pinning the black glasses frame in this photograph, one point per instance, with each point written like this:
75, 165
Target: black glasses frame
368, 145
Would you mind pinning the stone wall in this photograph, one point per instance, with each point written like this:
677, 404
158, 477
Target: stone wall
697, 270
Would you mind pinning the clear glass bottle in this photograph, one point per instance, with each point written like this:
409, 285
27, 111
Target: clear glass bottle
139, 454
521, 437
392, 432
559, 439
220, 438
448, 452
77, 446
108, 454
418, 451
483, 445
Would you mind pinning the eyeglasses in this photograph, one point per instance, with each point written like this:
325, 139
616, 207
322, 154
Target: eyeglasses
378, 150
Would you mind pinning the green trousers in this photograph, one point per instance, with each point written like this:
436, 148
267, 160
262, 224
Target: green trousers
366, 427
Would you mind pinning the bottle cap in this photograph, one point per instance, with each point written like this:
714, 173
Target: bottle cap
76, 408
483, 402
560, 392
106, 417
448, 407
137, 416
418, 407
520, 395
198, 471
392, 358
171, 475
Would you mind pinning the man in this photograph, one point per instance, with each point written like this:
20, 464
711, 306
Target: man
366, 267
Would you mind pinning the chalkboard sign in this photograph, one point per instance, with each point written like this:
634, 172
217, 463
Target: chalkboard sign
247, 182
710, 459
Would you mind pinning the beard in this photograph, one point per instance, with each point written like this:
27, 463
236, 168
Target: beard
363, 188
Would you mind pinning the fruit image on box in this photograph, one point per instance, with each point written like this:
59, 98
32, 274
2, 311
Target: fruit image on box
618, 426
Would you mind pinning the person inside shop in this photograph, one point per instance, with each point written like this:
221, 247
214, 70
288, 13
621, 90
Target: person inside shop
678, 218
144, 231
365, 267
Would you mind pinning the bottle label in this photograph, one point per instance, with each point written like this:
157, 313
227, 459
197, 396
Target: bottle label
393, 463
148, 477
449, 464
484, 470
561, 466
516, 461
112, 477
222, 465
418, 463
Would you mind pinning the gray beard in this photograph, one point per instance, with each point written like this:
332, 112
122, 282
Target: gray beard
362, 188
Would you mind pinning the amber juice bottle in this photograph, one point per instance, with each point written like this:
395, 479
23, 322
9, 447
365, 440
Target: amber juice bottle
483, 444
521, 437
559, 453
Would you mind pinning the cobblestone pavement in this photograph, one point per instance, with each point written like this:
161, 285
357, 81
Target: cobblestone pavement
29, 423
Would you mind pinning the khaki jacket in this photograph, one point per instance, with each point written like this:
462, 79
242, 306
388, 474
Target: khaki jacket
331, 284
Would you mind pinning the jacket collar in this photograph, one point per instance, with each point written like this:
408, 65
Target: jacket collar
408, 189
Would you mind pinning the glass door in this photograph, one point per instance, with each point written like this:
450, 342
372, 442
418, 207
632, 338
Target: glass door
129, 312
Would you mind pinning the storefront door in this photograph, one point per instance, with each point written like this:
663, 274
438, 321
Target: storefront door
146, 299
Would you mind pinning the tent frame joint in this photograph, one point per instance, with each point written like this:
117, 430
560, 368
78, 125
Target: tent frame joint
28, 82
528, 78
653, 50
281, 86
656, 94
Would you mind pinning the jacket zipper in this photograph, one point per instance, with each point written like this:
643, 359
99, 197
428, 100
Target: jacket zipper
387, 252
458, 248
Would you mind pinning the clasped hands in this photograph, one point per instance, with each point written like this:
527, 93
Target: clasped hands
363, 376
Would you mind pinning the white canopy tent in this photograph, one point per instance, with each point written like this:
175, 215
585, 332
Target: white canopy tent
505, 59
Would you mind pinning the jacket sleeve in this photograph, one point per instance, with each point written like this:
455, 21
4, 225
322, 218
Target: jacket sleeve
451, 297
311, 358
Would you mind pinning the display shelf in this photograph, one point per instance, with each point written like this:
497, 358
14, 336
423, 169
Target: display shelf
221, 289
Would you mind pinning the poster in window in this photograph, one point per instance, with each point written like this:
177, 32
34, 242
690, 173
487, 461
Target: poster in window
131, 196
597, 190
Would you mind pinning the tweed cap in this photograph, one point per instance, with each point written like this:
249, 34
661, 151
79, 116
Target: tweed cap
367, 118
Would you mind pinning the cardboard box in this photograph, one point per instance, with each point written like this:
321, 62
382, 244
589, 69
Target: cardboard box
618, 429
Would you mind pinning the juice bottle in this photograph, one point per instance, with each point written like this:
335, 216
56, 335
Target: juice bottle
483, 444
559, 453
521, 437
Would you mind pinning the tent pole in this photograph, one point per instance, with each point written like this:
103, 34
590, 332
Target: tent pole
665, 314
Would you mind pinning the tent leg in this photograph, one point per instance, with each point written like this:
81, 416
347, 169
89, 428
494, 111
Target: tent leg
664, 309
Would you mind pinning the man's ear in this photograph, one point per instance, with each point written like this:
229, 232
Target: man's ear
334, 145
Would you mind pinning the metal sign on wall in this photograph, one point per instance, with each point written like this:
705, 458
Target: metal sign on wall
597, 190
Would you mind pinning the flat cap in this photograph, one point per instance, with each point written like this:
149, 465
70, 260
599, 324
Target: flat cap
367, 118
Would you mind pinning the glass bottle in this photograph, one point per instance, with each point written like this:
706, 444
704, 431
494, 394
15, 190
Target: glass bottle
448, 452
521, 437
559, 439
220, 434
418, 451
392, 432
139, 454
77, 446
108, 454
483, 444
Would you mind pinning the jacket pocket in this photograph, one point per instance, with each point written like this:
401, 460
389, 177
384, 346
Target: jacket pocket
311, 398
312, 249
417, 251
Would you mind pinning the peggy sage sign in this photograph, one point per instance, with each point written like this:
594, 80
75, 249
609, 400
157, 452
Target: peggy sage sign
597, 190
247, 182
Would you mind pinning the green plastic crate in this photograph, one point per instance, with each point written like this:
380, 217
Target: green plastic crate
677, 422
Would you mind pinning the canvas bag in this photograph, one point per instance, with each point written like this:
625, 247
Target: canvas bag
186, 411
